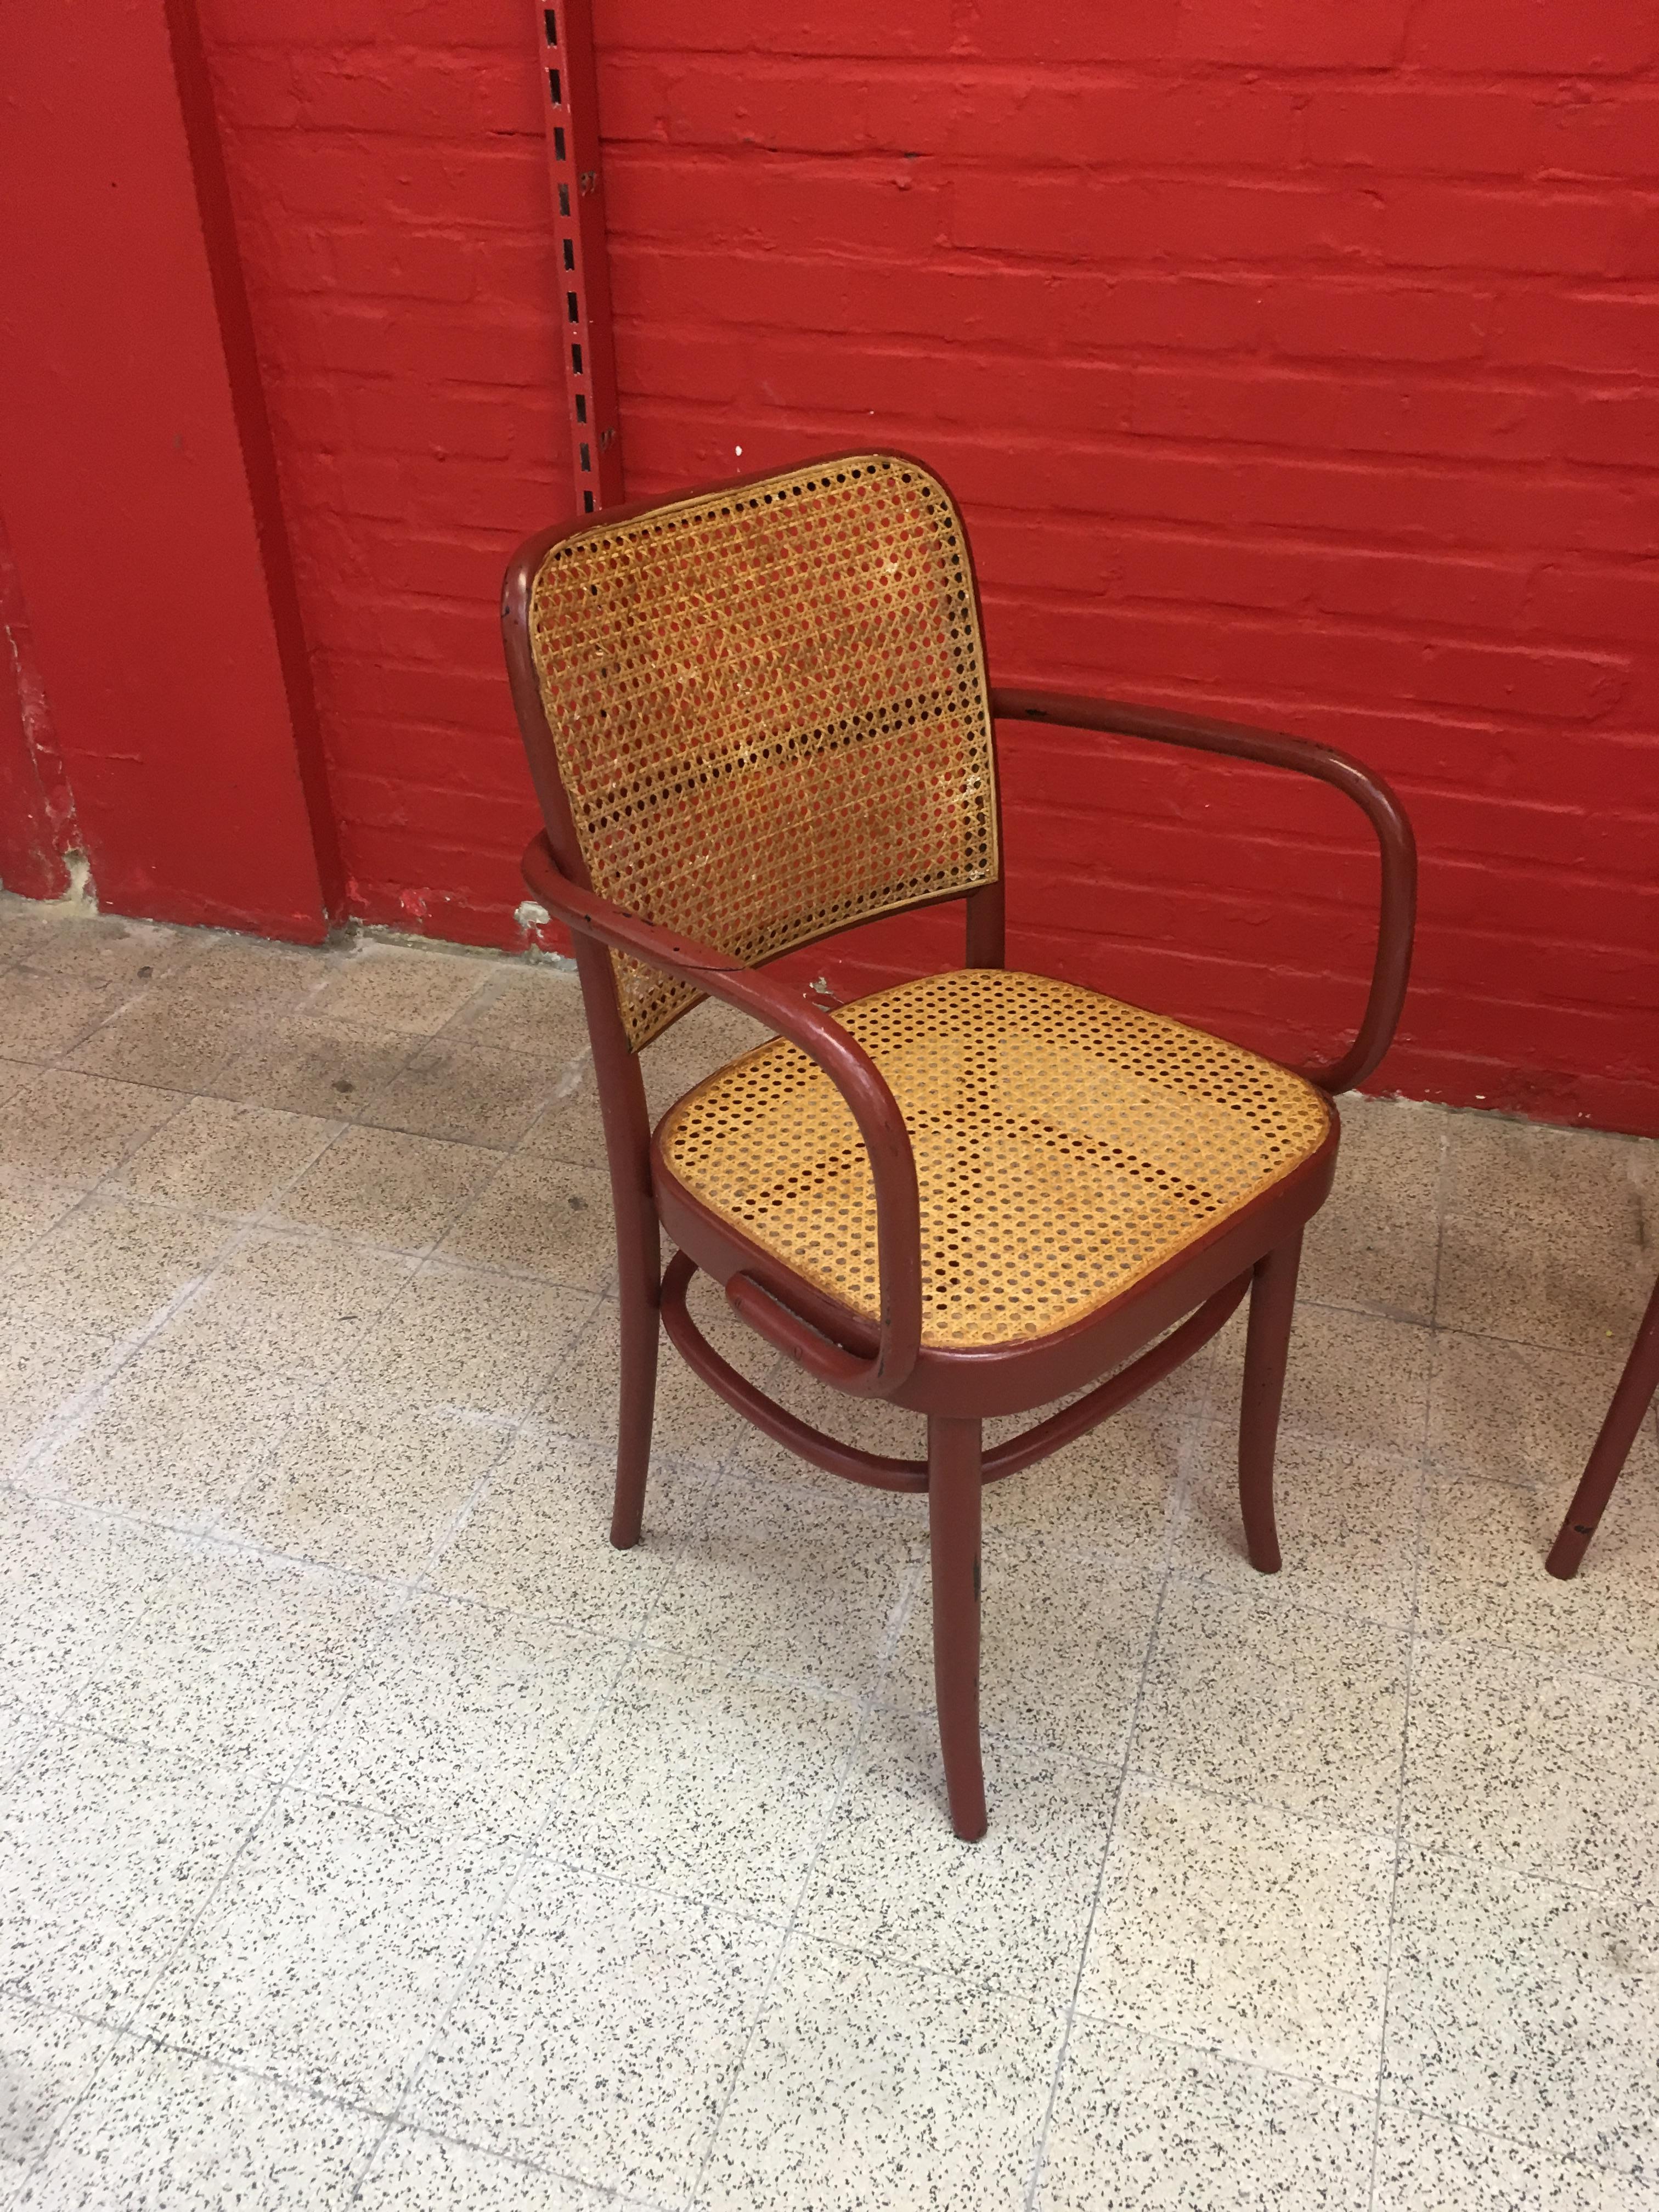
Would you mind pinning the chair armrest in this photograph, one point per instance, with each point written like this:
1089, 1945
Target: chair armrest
854, 1074
1397, 917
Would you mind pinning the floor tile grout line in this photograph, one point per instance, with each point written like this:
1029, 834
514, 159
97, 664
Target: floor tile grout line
1537, 2145
86, 1192
203, 1539
125, 2035
239, 1005
1412, 1647
1214, 1578
1633, 1892
1033, 2187
528, 1857
283, 1229
460, 1984
145, 1986
515, 1431
1327, 1825
131, 997
1195, 1424
214, 1520
212, 1532
566, 1085
59, 1426
268, 1219
71, 1417
144, 2037
1598, 1666
718, 1906
1161, 2039
132, 2036
835, 1797
602, 2192
1419, 1504
1594, 1665
287, 1229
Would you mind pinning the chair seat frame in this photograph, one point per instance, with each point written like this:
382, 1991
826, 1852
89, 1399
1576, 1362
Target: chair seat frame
1131, 1340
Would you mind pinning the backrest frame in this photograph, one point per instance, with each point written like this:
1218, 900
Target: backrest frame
984, 896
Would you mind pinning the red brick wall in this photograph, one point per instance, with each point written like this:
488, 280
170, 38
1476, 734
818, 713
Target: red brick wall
1295, 361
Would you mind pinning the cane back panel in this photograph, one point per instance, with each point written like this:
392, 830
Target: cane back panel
769, 711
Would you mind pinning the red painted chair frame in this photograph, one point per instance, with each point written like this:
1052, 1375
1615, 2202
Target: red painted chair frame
1256, 1248
1625, 1414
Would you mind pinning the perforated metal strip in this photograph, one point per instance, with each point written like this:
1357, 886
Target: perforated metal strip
564, 37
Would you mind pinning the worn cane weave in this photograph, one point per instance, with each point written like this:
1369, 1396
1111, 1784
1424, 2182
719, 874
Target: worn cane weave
769, 711
1066, 1146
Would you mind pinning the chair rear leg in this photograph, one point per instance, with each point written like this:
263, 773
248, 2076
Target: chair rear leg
639, 1292
953, 1527
1273, 1299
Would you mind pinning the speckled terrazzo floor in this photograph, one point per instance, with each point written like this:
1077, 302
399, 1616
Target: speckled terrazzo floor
371, 1833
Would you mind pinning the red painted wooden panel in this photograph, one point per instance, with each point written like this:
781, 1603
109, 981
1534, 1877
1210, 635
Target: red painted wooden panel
125, 492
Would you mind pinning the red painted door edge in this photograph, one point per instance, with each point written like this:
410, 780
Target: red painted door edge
247, 393
127, 494
37, 813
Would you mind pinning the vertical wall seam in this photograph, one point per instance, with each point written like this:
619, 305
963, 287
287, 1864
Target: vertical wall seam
247, 393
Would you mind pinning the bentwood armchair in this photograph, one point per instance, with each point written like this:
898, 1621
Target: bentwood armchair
756, 716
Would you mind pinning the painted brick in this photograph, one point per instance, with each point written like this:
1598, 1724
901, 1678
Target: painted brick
438, 423
1294, 34
761, 203
1425, 127
378, 86
1415, 588
1055, 117
1378, 321
1578, 136
1074, 31
1597, 38
332, 175
1346, 411
1042, 118
922, 27
439, 25
1462, 226
1066, 218
1600, 333
1596, 602
1463, 508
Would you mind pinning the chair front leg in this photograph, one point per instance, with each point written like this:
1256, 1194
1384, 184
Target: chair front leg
638, 1290
1273, 1300
953, 1527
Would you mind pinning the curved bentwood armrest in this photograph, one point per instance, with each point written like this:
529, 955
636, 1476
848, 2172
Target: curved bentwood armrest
1397, 916
854, 1074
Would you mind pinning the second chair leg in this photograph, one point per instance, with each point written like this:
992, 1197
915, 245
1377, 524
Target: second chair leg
953, 1524
1624, 1417
1273, 1299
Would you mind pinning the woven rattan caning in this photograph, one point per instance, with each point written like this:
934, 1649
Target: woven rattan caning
769, 710
1066, 1146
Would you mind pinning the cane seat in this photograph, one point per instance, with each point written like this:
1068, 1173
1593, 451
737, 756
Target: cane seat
1067, 1145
